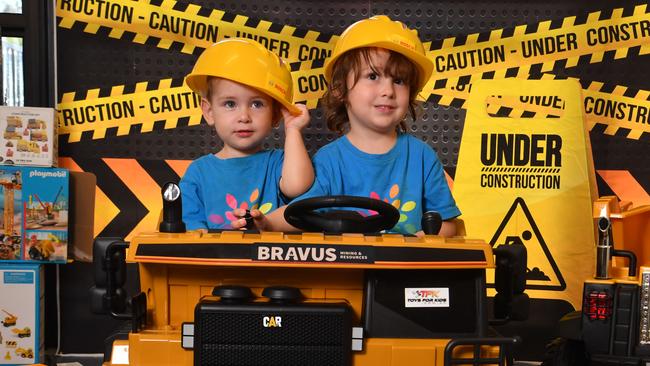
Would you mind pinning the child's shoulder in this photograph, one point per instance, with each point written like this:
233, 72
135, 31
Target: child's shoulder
212, 159
411, 142
332, 146
203, 160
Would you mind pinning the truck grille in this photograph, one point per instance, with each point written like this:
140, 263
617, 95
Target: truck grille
306, 335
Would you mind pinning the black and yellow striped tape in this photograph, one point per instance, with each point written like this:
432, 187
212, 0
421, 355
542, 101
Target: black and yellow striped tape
541, 47
166, 104
611, 109
122, 110
188, 27
513, 52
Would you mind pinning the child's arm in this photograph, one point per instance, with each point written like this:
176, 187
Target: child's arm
437, 195
448, 229
297, 170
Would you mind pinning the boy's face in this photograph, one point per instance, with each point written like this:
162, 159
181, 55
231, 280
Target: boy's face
376, 102
242, 116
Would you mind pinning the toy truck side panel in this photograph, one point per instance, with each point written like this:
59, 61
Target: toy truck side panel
151, 348
183, 287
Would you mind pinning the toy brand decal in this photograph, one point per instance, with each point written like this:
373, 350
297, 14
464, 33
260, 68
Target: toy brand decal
428, 297
294, 254
272, 322
48, 174
311, 253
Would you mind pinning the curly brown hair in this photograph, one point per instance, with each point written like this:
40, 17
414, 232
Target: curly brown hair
335, 98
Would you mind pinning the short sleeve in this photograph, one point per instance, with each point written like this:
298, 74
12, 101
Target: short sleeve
437, 195
193, 209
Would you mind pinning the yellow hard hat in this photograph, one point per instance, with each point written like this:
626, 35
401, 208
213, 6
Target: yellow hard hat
247, 62
381, 31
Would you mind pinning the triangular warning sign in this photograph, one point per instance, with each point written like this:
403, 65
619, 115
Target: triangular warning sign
519, 226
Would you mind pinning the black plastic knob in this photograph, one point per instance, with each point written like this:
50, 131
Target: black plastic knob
431, 222
250, 222
233, 293
282, 294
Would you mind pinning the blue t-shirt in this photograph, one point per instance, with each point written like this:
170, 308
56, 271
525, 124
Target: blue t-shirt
409, 176
212, 187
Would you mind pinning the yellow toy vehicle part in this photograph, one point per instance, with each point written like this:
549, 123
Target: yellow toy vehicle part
10, 319
22, 333
279, 299
25, 353
613, 326
41, 249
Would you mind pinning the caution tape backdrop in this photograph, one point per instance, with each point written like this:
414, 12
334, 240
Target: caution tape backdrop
167, 102
501, 53
168, 22
541, 50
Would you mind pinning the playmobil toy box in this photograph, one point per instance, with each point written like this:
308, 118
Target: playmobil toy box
21, 313
34, 214
28, 136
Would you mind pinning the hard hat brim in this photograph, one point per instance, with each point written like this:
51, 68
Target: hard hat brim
198, 84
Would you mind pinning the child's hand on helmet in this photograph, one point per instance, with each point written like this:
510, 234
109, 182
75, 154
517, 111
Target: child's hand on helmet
298, 122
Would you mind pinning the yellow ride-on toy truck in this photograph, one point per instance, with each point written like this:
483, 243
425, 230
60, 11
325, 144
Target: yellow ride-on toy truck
337, 294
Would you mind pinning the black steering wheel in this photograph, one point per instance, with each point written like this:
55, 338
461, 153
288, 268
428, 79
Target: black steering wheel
303, 215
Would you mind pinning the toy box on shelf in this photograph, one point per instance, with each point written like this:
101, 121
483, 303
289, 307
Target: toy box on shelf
34, 206
28, 136
21, 307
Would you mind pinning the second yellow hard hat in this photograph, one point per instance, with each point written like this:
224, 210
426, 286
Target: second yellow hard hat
381, 31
